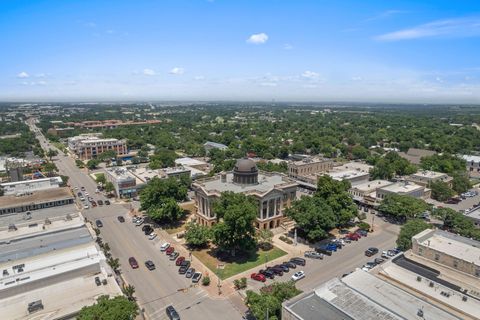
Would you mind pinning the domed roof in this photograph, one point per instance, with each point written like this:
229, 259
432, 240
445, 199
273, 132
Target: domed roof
245, 165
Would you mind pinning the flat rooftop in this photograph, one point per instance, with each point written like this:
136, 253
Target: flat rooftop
145, 174
470, 158
39, 196
355, 166
311, 160
371, 186
427, 174
313, 307
399, 187
451, 244
38, 216
266, 182
34, 181
189, 162
347, 174
393, 298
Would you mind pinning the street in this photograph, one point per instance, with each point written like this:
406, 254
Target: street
156, 289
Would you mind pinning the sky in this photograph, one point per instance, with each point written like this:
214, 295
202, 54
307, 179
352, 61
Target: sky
282, 50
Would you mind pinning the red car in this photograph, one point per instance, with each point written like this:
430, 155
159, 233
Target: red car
354, 236
179, 261
169, 250
258, 277
133, 263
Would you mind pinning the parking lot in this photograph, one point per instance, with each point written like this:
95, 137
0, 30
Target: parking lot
345, 260
463, 205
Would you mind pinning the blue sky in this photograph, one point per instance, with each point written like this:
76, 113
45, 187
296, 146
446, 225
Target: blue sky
385, 51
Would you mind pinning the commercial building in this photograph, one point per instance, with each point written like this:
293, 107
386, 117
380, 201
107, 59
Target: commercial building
90, 147
403, 188
437, 279
110, 124
448, 249
127, 181
273, 192
33, 201
415, 155
209, 145
367, 189
474, 215
53, 264
28, 186
425, 177
473, 165
307, 167
60, 132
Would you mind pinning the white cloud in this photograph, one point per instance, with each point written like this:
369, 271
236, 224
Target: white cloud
356, 78
287, 46
310, 75
198, 78
177, 71
258, 38
449, 28
148, 72
23, 75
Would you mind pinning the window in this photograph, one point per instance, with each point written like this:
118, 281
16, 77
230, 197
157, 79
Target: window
477, 272
455, 263
420, 251
437, 257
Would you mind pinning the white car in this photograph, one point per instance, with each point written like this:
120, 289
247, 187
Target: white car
164, 246
298, 275
86, 206
152, 236
86, 193
139, 222
75, 188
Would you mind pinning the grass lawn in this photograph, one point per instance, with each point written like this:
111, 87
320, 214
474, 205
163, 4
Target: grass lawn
240, 264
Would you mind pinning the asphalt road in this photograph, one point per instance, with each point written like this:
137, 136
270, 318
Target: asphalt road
154, 289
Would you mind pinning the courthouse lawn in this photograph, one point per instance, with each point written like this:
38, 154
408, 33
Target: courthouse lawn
237, 264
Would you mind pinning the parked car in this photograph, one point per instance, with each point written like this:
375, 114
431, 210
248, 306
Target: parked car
182, 269
278, 271
100, 202
344, 231
99, 223
371, 251
379, 260
190, 272
298, 275
150, 265
290, 264
179, 261
152, 236
299, 261
85, 206
267, 273
133, 262
185, 263
164, 246
174, 256
79, 194
196, 277
258, 277
362, 232
353, 236
97, 281
139, 222
172, 314
313, 255
283, 267
121, 219
169, 250
107, 202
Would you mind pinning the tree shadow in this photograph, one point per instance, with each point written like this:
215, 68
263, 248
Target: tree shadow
239, 258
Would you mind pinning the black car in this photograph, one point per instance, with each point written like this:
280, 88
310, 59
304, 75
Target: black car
100, 202
182, 269
107, 202
99, 223
267, 273
185, 263
290, 264
147, 229
298, 261
277, 270
97, 281
121, 219
79, 194
284, 267
150, 265
172, 313
371, 252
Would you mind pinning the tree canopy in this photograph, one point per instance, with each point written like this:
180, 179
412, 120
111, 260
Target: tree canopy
196, 235
391, 165
441, 191
234, 231
403, 206
408, 230
117, 308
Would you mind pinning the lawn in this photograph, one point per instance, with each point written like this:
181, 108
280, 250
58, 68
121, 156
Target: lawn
179, 226
239, 264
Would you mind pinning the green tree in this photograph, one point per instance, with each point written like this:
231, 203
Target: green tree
392, 165
158, 189
129, 291
441, 191
64, 180
114, 263
167, 211
117, 308
100, 178
51, 153
457, 223
408, 230
445, 163
360, 152
92, 164
461, 182
313, 216
109, 187
265, 237
402, 206
197, 236
50, 167
234, 231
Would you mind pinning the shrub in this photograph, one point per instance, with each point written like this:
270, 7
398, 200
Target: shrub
206, 281
364, 226
240, 283
286, 240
